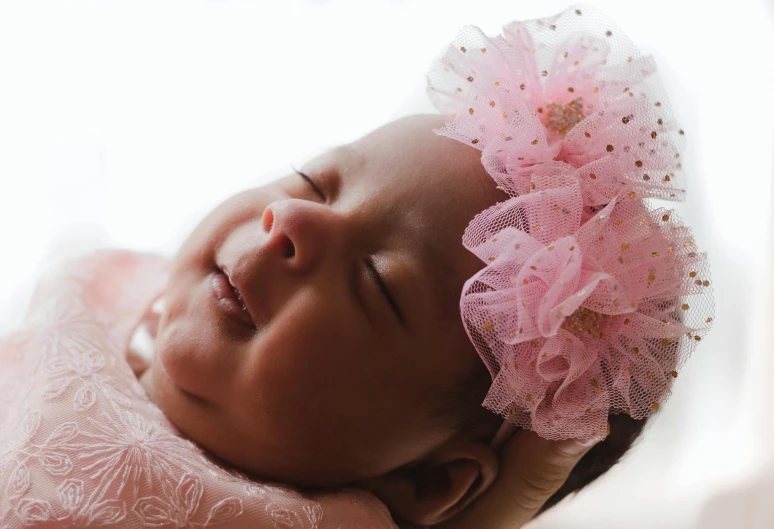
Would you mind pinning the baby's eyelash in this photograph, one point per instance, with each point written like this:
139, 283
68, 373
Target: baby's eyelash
384, 290
311, 183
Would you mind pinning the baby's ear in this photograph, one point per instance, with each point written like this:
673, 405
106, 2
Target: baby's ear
438, 487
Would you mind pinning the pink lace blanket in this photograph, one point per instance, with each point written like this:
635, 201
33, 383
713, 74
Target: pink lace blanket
80, 443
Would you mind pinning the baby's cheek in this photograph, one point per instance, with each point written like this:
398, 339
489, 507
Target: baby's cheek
326, 390
311, 378
306, 374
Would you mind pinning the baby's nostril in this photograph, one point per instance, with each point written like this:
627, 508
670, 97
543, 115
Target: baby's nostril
288, 248
267, 219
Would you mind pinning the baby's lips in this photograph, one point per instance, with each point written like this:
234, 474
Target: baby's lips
226, 284
239, 278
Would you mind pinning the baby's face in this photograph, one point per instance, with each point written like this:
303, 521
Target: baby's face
340, 376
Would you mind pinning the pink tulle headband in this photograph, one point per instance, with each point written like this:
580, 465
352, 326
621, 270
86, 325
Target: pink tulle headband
591, 300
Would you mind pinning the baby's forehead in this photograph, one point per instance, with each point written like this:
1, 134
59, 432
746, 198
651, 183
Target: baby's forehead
408, 158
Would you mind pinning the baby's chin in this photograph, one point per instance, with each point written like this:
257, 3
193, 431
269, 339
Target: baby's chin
289, 463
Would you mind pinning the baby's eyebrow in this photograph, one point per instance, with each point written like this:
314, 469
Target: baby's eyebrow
348, 160
353, 158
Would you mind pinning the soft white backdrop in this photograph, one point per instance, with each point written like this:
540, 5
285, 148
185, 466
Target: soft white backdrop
122, 123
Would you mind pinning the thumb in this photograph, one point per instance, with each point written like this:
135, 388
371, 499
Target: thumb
532, 469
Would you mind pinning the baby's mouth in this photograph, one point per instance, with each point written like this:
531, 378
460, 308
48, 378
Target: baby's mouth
230, 296
238, 296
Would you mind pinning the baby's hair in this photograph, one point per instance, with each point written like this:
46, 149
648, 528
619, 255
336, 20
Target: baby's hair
461, 405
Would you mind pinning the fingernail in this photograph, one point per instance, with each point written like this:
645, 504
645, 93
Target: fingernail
573, 447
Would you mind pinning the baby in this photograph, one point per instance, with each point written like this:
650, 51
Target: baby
312, 330
316, 319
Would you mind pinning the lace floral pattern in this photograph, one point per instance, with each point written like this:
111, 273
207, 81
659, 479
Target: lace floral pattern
80, 443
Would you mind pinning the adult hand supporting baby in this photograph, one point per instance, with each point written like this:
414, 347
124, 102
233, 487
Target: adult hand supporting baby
531, 470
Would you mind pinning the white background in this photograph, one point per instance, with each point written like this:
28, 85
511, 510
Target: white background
122, 123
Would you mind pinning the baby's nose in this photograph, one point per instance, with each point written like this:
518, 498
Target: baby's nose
301, 231
278, 239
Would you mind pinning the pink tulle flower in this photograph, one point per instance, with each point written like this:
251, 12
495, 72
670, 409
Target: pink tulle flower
576, 320
570, 88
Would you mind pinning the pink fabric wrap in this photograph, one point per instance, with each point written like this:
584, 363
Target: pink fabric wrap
591, 299
80, 443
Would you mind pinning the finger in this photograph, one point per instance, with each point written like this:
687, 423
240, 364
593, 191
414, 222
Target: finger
531, 470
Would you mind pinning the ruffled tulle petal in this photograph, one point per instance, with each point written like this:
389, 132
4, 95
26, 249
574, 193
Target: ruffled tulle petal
570, 88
